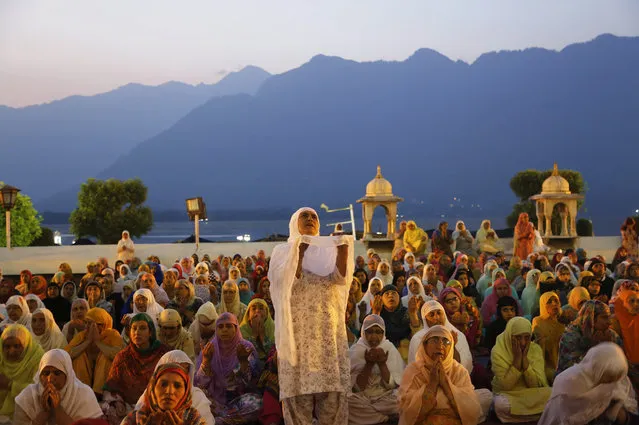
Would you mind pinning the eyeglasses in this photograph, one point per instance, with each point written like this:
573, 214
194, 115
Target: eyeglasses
439, 341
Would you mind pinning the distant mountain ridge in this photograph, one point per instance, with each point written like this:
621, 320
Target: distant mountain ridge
72, 139
439, 128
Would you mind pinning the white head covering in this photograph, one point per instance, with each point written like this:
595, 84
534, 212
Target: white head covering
52, 336
199, 400
25, 318
76, 398
579, 397
153, 309
395, 362
462, 347
33, 297
319, 259
208, 311
422, 291
386, 279
368, 295
200, 265
456, 231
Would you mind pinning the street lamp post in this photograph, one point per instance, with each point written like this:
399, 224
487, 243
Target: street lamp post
9, 197
351, 221
196, 209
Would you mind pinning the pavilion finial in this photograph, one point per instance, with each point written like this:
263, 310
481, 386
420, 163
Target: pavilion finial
555, 170
379, 172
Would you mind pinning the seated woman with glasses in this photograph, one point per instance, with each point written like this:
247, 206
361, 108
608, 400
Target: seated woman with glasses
173, 335
436, 389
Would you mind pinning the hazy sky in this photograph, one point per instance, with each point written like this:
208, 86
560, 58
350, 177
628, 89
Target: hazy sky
50, 49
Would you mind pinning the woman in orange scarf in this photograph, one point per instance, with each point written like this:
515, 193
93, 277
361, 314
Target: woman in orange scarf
436, 389
626, 323
94, 349
524, 236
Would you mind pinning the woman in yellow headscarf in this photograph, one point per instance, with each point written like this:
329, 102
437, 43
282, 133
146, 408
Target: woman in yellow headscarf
548, 331
576, 298
94, 349
258, 327
19, 361
520, 385
415, 239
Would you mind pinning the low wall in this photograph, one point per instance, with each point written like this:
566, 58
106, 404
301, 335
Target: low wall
46, 259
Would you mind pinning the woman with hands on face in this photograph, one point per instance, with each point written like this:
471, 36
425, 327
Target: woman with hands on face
258, 327
92, 351
228, 370
520, 385
376, 371
436, 389
57, 396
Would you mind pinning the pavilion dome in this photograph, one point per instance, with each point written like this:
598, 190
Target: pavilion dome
379, 186
555, 183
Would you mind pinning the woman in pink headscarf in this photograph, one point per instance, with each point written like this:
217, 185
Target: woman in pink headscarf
501, 288
227, 370
524, 236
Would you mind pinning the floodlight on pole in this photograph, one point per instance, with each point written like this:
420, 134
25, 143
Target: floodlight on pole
9, 198
196, 209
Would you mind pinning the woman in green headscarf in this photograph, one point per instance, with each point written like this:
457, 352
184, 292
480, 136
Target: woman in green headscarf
520, 385
19, 360
258, 327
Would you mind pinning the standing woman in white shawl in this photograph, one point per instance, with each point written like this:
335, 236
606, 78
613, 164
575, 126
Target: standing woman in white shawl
45, 331
376, 371
597, 390
384, 273
126, 248
57, 396
310, 282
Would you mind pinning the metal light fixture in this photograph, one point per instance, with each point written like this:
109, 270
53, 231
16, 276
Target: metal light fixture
196, 209
9, 198
351, 221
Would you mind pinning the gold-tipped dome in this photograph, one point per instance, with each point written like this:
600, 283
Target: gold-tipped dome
379, 186
555, 183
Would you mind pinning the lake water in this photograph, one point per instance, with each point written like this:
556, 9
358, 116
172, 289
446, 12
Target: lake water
227, 231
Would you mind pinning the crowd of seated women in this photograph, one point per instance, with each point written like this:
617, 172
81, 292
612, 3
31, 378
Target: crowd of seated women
450, 333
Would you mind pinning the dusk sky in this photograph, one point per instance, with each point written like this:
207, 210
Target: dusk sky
53, 49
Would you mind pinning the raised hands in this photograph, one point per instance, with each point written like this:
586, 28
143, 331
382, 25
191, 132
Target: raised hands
243, 353
208, 351
377, 304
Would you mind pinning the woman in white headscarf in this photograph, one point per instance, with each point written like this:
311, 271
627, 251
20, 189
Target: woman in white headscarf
17, 312
126, 248
34, 302
597, 390
415, 289
364, 307
310, 281
203, 327
143, 302
433, 313
57, 396
480, 237
45, 331
462, 240
376, 371
199, 400
384, 273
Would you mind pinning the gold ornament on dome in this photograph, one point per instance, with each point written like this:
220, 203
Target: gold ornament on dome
379, 186
555, 183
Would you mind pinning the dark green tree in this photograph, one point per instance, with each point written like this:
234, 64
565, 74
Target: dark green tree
25, 222
527, 183
106, 208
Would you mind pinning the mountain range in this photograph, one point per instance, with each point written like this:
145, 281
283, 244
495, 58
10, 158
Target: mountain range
51, 147
440, 129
